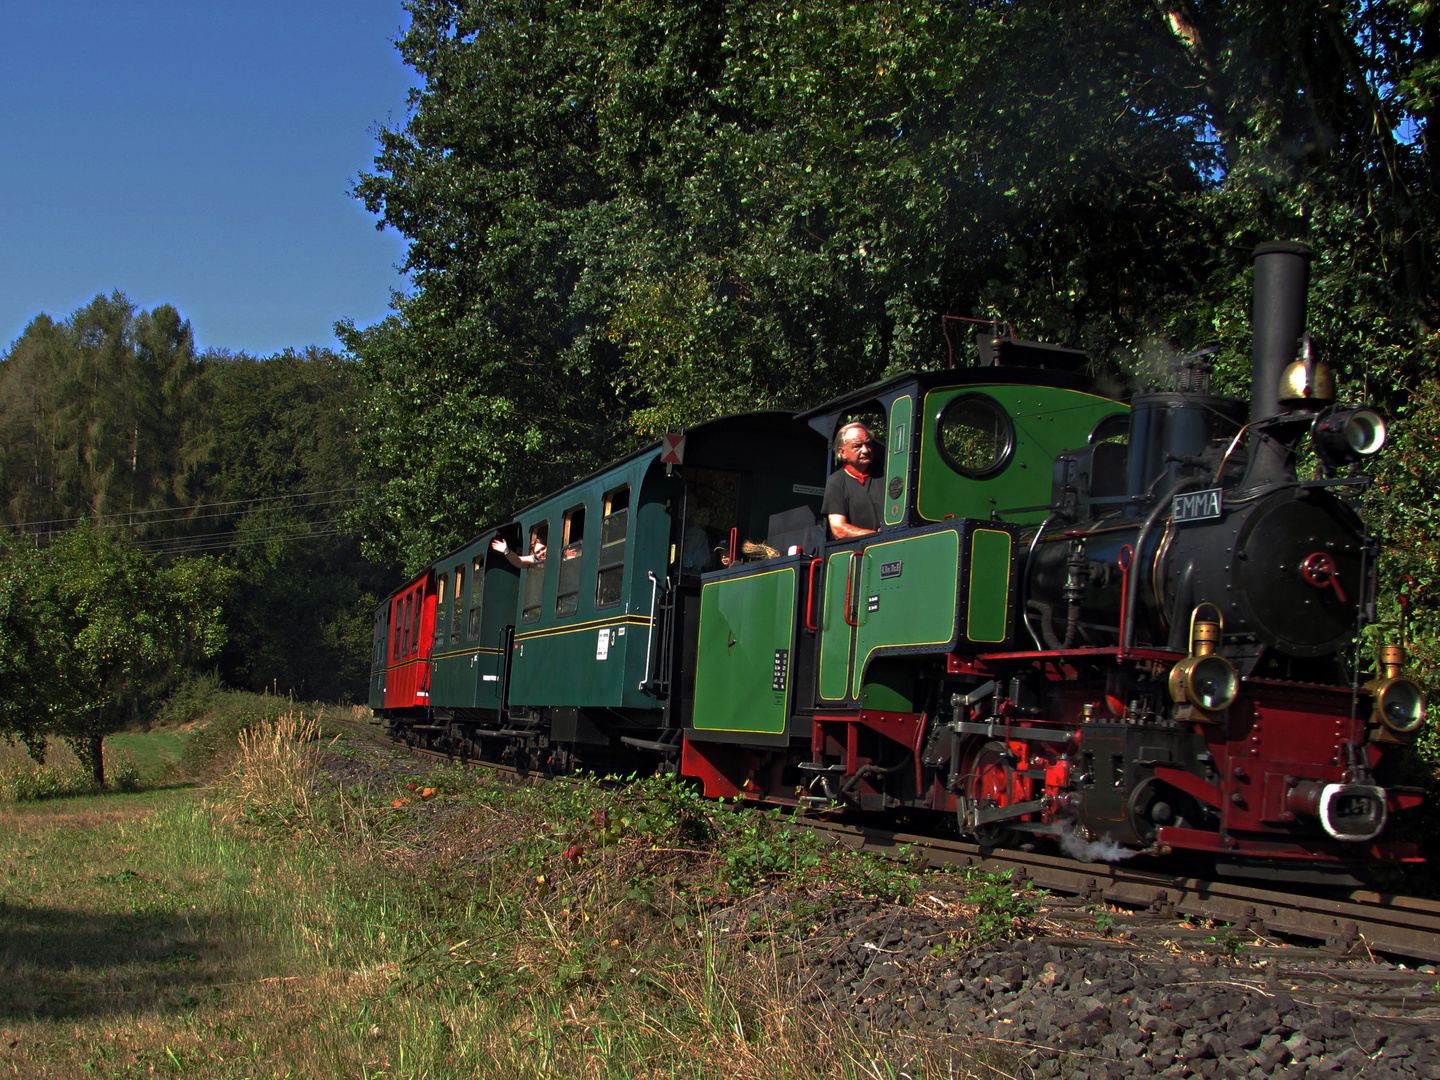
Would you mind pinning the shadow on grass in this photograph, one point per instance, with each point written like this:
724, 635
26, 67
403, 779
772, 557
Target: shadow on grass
156, 788
63, 964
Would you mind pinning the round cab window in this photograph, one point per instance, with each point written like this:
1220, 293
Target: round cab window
1114, 428
975, 436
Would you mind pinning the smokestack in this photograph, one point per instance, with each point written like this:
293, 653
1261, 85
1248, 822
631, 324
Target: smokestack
1282, 279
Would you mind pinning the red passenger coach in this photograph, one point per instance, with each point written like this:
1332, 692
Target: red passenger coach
412, 631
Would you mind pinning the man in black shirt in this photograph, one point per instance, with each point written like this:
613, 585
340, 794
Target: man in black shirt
854, 502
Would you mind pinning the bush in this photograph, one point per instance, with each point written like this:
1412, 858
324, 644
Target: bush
196, 696
231, 714
124, 774
20, 783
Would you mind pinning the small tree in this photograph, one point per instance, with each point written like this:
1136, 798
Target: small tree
130, 629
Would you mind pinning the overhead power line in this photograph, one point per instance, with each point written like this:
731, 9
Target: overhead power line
222, 543
181, 510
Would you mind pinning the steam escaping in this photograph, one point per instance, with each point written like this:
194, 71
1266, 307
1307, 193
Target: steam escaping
1103, 850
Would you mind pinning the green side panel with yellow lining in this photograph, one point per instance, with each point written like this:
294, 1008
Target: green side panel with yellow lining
744, 659
897, 469
908, 595
987, 607
921, 592
835, 633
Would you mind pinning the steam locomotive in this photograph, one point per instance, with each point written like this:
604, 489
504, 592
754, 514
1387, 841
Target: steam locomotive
1120, 623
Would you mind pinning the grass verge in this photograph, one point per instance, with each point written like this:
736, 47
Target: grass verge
425, 924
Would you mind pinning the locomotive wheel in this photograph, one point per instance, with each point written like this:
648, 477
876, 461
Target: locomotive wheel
990, 781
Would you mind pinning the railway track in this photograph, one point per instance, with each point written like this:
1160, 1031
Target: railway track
1344, 923
1399, 925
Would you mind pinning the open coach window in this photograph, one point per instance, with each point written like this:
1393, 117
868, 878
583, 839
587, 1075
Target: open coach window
477, 594
614, 522
456, 611
535, 574
567, 596
440, 609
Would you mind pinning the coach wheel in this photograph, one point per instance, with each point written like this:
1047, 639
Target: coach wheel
990, 781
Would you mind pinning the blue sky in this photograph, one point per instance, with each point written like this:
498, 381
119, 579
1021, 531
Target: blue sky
200, 155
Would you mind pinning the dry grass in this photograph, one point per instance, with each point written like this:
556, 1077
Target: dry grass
275, 765
279, 927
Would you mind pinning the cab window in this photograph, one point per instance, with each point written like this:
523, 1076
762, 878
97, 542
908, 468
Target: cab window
567, 596
711, 508
975, 436
613, 526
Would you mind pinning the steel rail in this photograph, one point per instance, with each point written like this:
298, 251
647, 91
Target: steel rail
1400, 925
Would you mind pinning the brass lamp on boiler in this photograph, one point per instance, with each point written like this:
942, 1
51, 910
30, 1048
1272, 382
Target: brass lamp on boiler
1205, 680
1399, 710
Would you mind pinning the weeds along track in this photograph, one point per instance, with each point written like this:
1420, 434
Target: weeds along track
1345, 921
1353, 920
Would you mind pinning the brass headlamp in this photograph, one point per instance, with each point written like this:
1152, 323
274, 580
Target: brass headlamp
1399, 710
1205, 680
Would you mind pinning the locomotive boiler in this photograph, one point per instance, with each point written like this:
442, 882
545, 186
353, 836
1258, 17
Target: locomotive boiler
1119, 622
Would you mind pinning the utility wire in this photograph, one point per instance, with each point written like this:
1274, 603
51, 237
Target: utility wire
348, 501
183, 509
234, 541
265, 532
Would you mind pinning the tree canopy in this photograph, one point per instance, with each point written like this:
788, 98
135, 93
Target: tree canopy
625, 216
101, 633
112, 418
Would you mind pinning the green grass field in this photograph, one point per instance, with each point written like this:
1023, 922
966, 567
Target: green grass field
272, 925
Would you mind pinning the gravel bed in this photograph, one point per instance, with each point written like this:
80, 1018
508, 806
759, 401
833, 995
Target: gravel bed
1157, 1001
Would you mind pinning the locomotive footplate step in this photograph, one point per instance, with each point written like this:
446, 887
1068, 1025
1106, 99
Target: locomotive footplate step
1000, 813
816, 767
647, 744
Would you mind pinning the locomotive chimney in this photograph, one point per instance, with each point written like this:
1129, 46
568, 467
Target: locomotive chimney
1282, 279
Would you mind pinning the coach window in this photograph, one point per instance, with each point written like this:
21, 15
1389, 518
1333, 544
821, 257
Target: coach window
477, 593
567, 595
419, 618
457, 610
440, 609
535, 573
404, 649
613, 526
397, 626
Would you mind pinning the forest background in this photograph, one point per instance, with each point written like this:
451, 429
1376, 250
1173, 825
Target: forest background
623, 216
